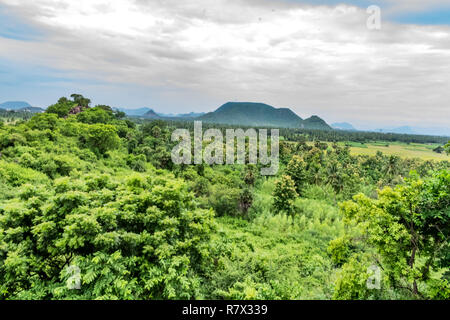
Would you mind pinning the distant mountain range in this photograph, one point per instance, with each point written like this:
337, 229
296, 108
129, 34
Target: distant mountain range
401, 130
151, 114
14, 105
343, 126
20, 106
135, 112
436, 131
248, 114
432, 131
240, 113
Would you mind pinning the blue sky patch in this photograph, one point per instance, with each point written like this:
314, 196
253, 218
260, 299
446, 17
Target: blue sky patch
12, 28
434, 17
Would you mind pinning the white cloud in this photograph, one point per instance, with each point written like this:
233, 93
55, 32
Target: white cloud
315, 59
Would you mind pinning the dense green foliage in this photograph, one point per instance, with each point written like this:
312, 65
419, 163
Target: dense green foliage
408, 227
90, 193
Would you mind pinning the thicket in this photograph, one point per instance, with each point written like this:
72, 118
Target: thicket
93, 192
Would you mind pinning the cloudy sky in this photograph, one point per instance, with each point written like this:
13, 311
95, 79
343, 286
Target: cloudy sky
315, 57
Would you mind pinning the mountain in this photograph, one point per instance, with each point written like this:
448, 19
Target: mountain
151, 115
20, 106
189, 115
315, 123
172, 116
434, 131
14, 105
400, 130
252, 114
135, 112
241, 113
343, 126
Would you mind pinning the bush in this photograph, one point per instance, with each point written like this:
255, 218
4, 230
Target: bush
100, 138
284, 195
15, 175
339, 249
137, 163
224, 200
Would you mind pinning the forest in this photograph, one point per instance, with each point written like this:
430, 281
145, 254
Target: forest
87, 192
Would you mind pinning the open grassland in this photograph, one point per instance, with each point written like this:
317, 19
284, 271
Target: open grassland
403, 150
413, 150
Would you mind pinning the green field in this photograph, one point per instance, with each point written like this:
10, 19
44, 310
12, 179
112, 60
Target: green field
413, 150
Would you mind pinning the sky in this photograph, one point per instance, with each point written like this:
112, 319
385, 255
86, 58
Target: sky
315, 57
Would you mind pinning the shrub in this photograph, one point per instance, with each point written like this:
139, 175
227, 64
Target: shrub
224, 200
284, 195
100, 138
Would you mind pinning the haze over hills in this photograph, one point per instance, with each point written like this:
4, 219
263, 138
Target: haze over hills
183, 115
135, 112
250, 114
343, 126
414, 130
410, 130
14, 105
20, 106
152, 114
401, 130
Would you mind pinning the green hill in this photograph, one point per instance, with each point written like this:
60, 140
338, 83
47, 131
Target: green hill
315, 123
260, 114
151, 115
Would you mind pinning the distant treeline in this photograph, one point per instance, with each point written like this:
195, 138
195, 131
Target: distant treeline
24, 115
300, 135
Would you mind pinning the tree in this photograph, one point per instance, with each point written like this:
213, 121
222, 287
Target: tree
98, 114
43, 121
409, 227
439, 149
245, 200
62, 108
100, 138
296, 169
314, 159
335, 176
80, 100
447, 147
224, 200
250, 176
285, 195
145, 240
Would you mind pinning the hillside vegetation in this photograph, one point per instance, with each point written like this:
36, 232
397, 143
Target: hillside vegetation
86, 192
